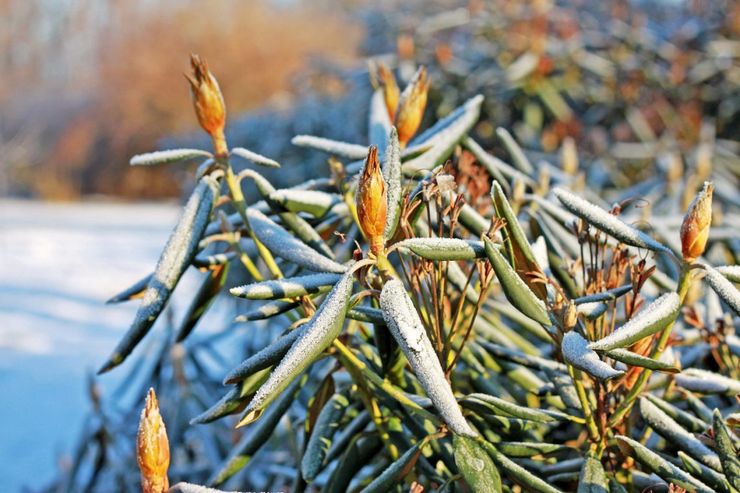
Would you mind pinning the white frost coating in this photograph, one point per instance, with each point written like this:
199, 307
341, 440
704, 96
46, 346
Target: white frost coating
168, 156
195, 488
601, 219
446, 139
731, 272
724, 288
286, 246
592, 310
707, 382
351, 151
404, 323
428, 134
650, 320
254, 157
576, 352
285, 288
314, 202
265, 357
539, 249
392, 177
444, 248
495, 165
380, 123
314, 338
666, 427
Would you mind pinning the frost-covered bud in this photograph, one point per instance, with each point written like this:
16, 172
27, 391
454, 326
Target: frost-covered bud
391, 93
695, 227
411, 106
372, 204
152, 448
208, 102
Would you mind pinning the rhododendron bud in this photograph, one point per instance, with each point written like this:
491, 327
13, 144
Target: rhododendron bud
411, 106
208, 102
372, 204
152, 448
696, 223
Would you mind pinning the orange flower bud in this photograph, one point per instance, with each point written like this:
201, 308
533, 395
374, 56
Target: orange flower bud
208, 102
372, 203
152, 448
411, 106
391, 93
695, 227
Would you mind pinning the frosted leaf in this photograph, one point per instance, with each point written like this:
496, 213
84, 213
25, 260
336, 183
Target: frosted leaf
609, 295
707, 382
344, 149
290, 287
315, 336
380, 123
314, 202
648, 321
406, 326
268, 310
444, 248
446, 139
539, 250
321, 436
392, 176
168, 156
436, 129
254, 157
264, 358
592, 310
723, 287
194, 488
731, 272
286, 246
177, 255
577, 353
498, 169
608, 223
666, 427
515, 151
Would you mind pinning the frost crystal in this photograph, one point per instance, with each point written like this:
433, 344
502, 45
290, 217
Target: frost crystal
577, 353
724, 288
285, 288
168, 156
406, 327
352, 151
601, 219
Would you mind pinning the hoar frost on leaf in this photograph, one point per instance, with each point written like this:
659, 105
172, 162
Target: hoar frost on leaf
285, 288
707, 382
444, 248
248, 155
648, 321
408, 330
603, 220
345, 149
168, 156
723, 287
577, 353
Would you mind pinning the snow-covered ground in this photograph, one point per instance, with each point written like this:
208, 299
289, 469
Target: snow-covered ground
58, 265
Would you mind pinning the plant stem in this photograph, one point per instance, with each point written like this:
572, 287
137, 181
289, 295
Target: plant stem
593, 430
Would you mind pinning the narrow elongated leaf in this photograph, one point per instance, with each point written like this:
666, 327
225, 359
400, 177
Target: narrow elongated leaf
290, 287
194, 488
577, 353
528, 449
335, 147
707, 382
256, 436
728, 455
406, 326
177, 255
592, 477
507, 408
634, 359
666, 427
476, 465
134, 291
705, 474
684, 418
317, 335
444, 248
234, 400
520, 253
345, 436
660, 466
204, 297
254, 157
366, 314
321, 437
731, 272
313, 202
724, 288
599, 218
392, 176
265, 358
517, 154
380, 123
497, 168
394, 473
286, 246
609, 295
592, 311
268, 310
516, 472
168, 156
650, 320
515, 289
357, 455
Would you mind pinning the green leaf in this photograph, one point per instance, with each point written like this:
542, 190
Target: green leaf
379, 124
705, 474
528, 449
728, 455
707, 382
265, 358
660, 466
235, 399
392, 176
577, 353
650, 320
360, 451
268, 310
321, 437
257, 435
685, 419
204, 297
516, 152
178, 253
443, 248
134, 291
515, 289
394, 473
168, 156
634, 359
315, 337
475, 465
313, 202
506, 408
366, 314
723, 287
248, 155
517, 473
334, 147
592, 478
290, 287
